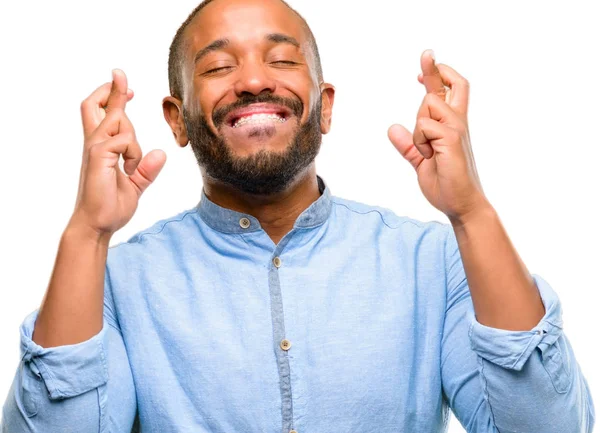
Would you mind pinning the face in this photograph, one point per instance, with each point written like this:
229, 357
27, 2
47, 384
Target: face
253, 108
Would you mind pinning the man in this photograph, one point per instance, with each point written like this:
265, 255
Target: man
273, 306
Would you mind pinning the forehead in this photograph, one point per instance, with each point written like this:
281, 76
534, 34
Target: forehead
243, 21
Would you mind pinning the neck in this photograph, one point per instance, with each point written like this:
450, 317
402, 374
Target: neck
276, 213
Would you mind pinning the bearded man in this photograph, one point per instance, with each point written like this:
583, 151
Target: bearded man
272, 305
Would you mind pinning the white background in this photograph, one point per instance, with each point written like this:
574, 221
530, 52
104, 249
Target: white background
533, 69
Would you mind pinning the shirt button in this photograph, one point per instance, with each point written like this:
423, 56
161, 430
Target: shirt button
244, 223
293, 431
285, 344
277, 262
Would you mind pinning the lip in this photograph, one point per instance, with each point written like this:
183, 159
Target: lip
261, 108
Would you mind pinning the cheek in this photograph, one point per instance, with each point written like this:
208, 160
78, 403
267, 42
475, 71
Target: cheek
303, 90
206, 103
207, 96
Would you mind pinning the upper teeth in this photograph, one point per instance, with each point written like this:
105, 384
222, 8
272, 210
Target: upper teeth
258, 118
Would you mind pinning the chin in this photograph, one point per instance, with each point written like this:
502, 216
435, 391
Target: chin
257, 144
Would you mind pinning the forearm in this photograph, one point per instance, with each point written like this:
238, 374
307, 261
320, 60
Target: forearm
513, 381
504, 294
72, 308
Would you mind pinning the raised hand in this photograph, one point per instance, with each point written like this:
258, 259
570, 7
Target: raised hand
439, 149
107, 197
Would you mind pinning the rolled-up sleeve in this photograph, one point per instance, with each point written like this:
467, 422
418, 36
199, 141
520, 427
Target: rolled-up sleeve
86, 387
498, 380
512, 349
68, 370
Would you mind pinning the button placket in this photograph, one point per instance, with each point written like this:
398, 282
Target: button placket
282, 344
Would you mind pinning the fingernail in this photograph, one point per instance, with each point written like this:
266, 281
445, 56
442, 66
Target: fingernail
432, 55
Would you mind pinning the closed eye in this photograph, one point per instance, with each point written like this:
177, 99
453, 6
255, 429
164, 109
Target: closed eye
284, 62
215, 70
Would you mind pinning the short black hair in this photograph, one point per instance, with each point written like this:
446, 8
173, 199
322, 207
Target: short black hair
177, 54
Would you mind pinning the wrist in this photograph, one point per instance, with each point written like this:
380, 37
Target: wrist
479, 214
77, 230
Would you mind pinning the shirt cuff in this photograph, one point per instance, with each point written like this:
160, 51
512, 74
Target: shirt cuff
67, 370
512, 349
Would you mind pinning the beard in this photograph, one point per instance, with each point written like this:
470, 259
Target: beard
264, 172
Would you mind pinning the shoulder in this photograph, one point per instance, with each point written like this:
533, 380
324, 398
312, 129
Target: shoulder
366, 227
158, 234
365, 214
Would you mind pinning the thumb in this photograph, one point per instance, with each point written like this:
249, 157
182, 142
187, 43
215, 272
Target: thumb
402, 140
148, 169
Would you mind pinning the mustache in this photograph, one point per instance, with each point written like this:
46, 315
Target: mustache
294, 105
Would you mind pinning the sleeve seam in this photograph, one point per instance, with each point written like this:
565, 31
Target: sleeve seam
377, 211
165, 223
103, 357
486, 394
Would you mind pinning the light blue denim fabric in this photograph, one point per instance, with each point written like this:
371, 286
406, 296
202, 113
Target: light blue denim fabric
375, 307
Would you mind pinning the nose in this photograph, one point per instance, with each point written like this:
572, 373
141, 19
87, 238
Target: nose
254, 78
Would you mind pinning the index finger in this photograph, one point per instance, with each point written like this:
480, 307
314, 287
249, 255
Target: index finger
91, 108
432, 78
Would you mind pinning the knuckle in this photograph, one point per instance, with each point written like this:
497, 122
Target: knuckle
115, 115
129, 137
429, 98
117, 111
143, 173
85, 104
461, 127
95, 150
96, 136
454, 135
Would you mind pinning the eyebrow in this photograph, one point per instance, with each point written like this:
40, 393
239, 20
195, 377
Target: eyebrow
219, 44
280, 38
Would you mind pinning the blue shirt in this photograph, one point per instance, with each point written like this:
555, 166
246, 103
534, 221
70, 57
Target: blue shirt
358, 320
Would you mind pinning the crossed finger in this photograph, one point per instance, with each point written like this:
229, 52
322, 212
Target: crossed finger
430, 75
115, 122
434, 110
105, 98
125, 145
445, 82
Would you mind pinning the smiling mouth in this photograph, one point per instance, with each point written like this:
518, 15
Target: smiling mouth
259, 119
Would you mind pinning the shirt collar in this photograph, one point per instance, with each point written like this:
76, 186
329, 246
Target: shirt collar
230, 221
